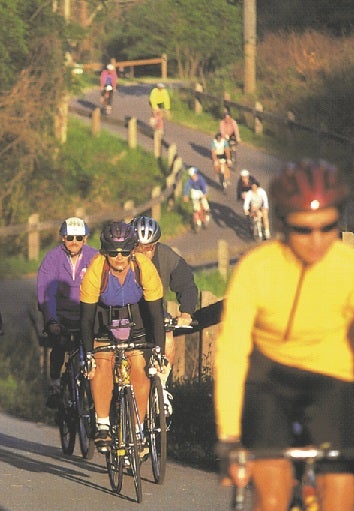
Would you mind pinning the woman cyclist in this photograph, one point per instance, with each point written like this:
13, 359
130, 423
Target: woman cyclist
285, 351
120, 285
196, 186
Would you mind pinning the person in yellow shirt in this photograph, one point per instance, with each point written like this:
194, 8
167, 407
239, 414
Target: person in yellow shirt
120, 285
284, 352
159, 99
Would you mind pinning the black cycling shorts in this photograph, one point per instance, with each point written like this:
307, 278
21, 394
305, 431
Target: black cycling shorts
278, 396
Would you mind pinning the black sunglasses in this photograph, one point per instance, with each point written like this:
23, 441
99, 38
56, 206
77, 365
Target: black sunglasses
114, 253
71, 237
306, 231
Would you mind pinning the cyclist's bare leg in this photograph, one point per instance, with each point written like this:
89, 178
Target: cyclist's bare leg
102, 384
139, 380
266, 221
273, 481
336, 491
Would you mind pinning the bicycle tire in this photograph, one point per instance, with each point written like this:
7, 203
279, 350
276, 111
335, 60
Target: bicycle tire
66, 414
157, 430
131, 443
86, 418
115, 456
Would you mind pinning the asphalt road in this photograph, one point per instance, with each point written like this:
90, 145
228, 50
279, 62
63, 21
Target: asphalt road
34, 475
228, 222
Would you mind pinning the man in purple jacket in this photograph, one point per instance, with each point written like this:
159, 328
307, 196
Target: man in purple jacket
58, 292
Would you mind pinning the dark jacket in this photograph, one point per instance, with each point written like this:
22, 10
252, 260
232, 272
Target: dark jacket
177, 276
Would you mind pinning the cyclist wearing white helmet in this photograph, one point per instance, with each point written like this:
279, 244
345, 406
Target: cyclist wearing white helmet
175, 275
58, 291
159, 99
244, 184
196, 186
108, 84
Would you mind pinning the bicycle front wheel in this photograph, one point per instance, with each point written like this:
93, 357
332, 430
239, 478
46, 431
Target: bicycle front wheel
131, 444
66, 414
157, 430
87, 421
115, 456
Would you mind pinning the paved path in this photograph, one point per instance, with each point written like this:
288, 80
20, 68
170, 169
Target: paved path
228, 222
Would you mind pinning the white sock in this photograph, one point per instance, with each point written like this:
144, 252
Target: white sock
103, 422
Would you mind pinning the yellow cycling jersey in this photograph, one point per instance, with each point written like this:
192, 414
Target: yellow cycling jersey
148, 278
295, 315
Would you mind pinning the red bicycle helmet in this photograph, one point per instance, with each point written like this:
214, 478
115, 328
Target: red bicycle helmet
118, 235
308, 186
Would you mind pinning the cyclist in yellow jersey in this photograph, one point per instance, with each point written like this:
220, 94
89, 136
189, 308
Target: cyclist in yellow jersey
120, 285
285, 352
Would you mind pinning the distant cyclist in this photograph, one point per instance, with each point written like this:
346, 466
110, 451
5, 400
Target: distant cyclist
244, 184
229, 129
159, 99
58, 291
197, 188
176, 276
256, 199
221, 156
108, 82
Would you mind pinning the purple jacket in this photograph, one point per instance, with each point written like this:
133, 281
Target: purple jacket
58, 289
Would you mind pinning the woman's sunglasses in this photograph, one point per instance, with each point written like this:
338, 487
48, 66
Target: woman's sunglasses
114, 253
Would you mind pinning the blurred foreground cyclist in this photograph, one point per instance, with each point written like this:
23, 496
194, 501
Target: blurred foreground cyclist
285, 351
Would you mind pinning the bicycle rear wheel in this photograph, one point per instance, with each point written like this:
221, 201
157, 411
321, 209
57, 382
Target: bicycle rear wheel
86, 417
66, 414
131, 444
157, 430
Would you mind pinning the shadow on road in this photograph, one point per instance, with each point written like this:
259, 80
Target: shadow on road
225, 217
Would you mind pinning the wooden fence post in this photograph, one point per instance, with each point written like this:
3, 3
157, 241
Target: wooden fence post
258, 123
132, 133
198, 108
33, 237
96, 122
223, 258
156, 208
157, 142
171, 154
164, 66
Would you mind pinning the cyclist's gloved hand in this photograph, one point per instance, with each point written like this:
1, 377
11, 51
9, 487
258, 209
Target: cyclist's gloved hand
53, 328
185, 319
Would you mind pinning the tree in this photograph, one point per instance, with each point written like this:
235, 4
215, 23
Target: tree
34, 67
197, 35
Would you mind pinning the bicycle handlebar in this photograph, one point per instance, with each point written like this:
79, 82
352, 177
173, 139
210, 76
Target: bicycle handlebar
325, 452
123, 345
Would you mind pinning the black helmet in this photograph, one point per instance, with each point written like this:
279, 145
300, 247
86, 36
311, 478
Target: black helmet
147, 230
118, 235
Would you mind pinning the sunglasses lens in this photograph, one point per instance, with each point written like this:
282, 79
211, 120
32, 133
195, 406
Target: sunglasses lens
70, 237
